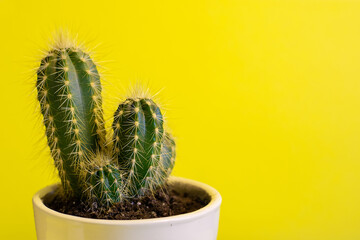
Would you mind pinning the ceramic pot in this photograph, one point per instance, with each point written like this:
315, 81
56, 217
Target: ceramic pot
201, 224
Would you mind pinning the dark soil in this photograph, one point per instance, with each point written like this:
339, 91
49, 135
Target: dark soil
164, 203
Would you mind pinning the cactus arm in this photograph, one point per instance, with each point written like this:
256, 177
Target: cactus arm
138, 133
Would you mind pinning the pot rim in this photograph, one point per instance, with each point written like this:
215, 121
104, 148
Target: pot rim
213, 205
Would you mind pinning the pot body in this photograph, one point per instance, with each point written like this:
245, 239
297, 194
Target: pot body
198, 225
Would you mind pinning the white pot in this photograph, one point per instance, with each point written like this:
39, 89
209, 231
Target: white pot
198, 225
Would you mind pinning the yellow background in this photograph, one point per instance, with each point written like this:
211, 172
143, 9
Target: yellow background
263, 96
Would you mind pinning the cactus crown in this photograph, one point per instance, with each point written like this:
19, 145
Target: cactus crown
141, 154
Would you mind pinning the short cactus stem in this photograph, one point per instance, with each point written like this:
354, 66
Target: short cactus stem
69, 93
105, 185
138, 135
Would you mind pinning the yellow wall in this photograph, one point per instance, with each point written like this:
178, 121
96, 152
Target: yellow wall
263, 96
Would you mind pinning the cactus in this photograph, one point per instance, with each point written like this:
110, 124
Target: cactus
69, 93
138, 134
142, 154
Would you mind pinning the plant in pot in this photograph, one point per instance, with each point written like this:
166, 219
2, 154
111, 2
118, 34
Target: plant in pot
114, 185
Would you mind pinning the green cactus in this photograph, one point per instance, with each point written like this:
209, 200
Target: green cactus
138, 136
141, 155
69, 93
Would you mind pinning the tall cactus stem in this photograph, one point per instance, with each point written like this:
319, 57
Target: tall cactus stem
69, 93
